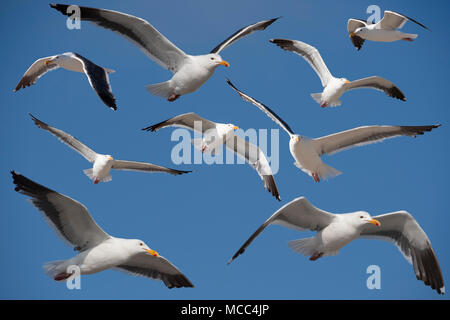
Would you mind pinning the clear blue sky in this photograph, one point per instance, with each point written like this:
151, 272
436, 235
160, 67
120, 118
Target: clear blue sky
199, 220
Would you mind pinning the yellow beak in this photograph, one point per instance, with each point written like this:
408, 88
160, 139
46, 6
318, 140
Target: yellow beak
375, 222
152, 252
235, 127
224, 63
346, 81
110, 158
297, 139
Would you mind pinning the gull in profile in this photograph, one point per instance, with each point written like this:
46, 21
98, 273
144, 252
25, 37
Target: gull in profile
307, 152
384, 31
102, 163
190, 72
215, 135
335, 87
97, 76
97, 250
334, 231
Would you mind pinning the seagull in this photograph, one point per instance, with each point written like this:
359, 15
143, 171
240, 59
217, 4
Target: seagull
190, 72
102, 163
217, 134
307, 152
98, 250
97, 76
334, 231
335, 87
385, 30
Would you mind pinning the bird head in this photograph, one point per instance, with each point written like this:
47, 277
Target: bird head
109, 158
345, 80
214, 60
295, 138
362, 218
140, 247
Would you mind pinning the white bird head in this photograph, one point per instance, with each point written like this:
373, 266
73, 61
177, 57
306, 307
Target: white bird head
362, 218
139, 246
109, 157
360, 31
213, 60
295, 138
344, 80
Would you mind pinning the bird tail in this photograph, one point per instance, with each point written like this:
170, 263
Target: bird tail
162, 89
89, 173
109, 70
409, 36
54, 268
317, 97
325, 172
303, 246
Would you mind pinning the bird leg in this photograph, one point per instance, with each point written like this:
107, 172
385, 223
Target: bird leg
96, 181
316, 177
204, 147
407, 39
324, 104
173, 97
316, 256
62, 276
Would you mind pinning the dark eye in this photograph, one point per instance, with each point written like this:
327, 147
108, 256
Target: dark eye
212, 58
361, 217
140, 244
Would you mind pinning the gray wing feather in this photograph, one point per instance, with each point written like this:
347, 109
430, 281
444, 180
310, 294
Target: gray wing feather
157, 268
35, 71
299, 214
143, 166
365, 135
66, 138
189, 121
404, 231
69, 218
377, 83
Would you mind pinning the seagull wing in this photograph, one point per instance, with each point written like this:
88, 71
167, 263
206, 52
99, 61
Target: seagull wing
69, 218
98, 79
137, 30
256, 159
272, 115
189, 121
242, 33
66, 138
158, 268
298, 214
404, 231
377, 83
143, 166
394, 20
310, 54
354, 24
35, 71
364, 135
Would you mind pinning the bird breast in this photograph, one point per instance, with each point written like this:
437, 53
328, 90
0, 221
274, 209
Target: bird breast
191, 77
304, 154
333, 91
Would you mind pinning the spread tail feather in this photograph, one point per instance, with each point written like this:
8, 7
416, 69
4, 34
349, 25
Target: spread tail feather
317, 97
89, 173
303, 246
162, 89
325, 172
53, 268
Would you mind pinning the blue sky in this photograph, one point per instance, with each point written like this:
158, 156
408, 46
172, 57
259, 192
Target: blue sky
199, 220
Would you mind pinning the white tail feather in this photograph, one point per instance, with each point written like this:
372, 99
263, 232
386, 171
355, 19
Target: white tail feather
53, 268
317, 97
107, 178
303, 246
162, 89
89, 173
325, 172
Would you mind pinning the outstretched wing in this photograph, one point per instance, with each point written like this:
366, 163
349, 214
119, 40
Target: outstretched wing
242, 33
377, 83
189, 121
310, 54
298, 214
35, 71
256, 159
404, 231
155, 45
143, 166
69, 218
364, 135
394, 20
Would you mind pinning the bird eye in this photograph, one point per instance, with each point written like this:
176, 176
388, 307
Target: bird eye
361, 217
212, 58
140, 244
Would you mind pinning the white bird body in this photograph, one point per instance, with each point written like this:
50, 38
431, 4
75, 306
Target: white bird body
383, 35
101, 168
65, 61
332, 92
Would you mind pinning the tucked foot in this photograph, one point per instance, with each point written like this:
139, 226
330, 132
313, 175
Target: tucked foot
62, 276
316, 256
324, 104
96, 181
173, 97
316, 177
407, 39
204, 149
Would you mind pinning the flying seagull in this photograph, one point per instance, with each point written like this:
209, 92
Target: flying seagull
385, 30
335, 87
102, 163
334, 231
98, 250
216, 134
307, 152
189, 72
97, 76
